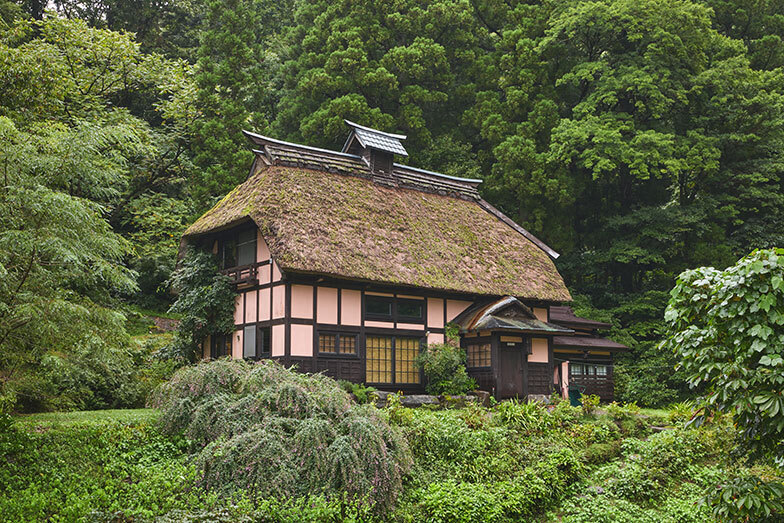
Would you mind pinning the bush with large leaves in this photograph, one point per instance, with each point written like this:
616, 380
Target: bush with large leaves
727, 328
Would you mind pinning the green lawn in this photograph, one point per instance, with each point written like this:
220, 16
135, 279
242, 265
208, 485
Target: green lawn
59, 419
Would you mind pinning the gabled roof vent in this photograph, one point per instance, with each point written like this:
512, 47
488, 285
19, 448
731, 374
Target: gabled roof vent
377, 148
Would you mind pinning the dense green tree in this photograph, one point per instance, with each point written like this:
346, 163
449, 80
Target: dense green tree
399, 66
233, 76
758, 23
75, 161
59, 259
169, 27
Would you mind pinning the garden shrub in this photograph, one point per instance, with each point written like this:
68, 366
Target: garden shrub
601, 452
589, 403
273, 432
536, 489
523, 416
444, 368
360, 392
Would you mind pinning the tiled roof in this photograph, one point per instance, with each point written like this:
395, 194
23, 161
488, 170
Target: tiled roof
565, 315
378, 139
587, 342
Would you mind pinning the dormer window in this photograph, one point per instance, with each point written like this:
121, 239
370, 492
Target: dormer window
377, 148
238, 249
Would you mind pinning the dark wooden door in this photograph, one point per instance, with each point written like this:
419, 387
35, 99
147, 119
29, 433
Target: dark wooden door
510, 372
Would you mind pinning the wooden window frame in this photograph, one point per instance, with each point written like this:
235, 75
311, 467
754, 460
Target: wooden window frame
234, 237
395, 315
260, 353
338, 336
376, 316
215, 342
393, 360
489, 354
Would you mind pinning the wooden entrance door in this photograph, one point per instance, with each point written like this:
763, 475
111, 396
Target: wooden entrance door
510, 372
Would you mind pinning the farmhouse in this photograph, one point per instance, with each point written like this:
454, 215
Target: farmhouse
347, 263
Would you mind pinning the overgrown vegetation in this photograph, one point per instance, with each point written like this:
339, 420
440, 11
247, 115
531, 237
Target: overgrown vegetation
205, 301
227, 446
444, 369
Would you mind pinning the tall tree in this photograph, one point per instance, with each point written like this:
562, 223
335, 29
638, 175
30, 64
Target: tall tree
233, 73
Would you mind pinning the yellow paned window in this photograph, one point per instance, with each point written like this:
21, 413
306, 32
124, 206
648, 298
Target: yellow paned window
379, 359
406, 350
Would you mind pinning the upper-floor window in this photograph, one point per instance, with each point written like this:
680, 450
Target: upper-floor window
238, 249
391, 309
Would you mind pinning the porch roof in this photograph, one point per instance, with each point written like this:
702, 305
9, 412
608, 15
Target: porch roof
507, 314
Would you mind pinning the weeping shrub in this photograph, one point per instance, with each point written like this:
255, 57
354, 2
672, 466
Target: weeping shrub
276, 433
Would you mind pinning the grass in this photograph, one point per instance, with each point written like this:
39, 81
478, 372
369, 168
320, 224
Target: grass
64, 419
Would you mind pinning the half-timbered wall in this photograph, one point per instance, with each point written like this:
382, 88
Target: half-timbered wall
297, 310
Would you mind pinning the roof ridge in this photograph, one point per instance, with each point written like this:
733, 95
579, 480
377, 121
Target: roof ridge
391, 135
440, 175
469, 184
263, 138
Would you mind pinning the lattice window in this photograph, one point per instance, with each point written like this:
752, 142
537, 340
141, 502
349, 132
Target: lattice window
338, 343
478, 355
379, 359
327, 342
406, 350
348, 344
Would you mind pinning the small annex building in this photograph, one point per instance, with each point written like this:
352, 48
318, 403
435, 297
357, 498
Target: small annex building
348, 263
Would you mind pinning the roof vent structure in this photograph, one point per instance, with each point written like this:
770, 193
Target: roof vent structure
377, 148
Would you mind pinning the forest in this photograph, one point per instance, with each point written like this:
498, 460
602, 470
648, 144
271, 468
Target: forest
641, 139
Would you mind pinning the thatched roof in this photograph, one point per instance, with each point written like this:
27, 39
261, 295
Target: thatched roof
336, 220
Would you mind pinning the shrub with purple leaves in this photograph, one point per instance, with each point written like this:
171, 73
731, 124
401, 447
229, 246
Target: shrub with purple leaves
272, 432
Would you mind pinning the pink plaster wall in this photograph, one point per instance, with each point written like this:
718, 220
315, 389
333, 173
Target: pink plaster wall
455, 307
540, 313
302, 340
565, 379
251, 311
410, 326
262, 250
265, 274
350, 307
278, 301
278, 340
380, 324
327, 305
239, 309
264, 304
236, 345
435, 338
435, 313
275, 271
539, 351
302, 301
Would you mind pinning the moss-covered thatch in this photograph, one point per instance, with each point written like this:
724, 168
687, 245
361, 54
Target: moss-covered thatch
347, 226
